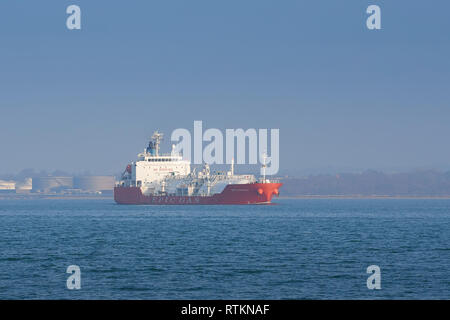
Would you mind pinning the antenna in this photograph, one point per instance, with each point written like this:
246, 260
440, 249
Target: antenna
157, 138
264, 157
232, 166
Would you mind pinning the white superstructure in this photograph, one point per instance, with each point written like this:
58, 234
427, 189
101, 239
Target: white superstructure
157, 173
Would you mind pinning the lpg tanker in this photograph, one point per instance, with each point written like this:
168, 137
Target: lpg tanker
167, 179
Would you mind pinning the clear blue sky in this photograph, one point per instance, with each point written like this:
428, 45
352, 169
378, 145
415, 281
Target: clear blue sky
341, 95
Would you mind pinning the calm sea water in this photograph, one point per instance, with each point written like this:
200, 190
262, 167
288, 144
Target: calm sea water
298, 249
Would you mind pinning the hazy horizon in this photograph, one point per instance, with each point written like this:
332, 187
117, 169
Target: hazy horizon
342, 96
240, 169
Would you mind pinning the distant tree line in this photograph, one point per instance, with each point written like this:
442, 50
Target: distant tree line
370, 183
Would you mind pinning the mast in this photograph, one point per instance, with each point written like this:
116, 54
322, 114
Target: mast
232, 166
264, 157
157, 138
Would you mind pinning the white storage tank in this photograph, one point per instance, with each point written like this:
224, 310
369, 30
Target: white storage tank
51, 184
94, 183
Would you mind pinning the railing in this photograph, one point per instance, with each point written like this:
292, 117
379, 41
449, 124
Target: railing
271, 180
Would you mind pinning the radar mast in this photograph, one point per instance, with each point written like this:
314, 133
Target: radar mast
157, 138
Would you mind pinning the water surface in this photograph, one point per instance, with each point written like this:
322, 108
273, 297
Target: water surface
298, 249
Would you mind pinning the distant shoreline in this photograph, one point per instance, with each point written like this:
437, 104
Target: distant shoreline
361, 197
53, 197
108, 197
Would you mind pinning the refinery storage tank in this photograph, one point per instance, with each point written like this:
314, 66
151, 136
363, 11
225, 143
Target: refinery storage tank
7, 186
51, 184
24, 186
94, 183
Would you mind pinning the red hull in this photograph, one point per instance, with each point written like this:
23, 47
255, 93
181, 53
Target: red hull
255, 193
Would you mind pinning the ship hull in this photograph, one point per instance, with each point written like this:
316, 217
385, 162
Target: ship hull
254, 193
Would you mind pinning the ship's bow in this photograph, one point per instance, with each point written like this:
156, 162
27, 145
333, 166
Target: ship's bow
253, 193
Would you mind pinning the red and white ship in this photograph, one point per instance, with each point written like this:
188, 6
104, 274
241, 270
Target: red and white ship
167, 179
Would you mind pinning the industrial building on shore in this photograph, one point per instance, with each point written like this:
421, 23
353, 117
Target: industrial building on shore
7, 186
51, 184
77, 184
60, 185
102, 184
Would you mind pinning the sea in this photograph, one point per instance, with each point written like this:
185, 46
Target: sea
293, 249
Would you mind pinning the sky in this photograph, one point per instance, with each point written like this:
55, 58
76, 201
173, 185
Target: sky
345, 98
